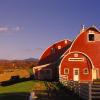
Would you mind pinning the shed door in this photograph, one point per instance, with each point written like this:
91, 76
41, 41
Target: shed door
76, 74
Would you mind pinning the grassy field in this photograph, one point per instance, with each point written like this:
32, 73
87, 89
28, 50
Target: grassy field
20, 91
27, 86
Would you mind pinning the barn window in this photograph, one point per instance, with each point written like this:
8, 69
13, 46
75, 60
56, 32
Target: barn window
75, 55
91, 37
85, 71
66, 71
59, 47
65, 41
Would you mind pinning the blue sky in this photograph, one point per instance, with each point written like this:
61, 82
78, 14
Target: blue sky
27, 27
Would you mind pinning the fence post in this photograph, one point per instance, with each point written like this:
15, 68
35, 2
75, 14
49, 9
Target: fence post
79, 90
90, 94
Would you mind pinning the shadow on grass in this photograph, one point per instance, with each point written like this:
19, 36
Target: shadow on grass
14, 96
41, 95
15, 80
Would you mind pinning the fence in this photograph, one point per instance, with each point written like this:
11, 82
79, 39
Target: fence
87, 91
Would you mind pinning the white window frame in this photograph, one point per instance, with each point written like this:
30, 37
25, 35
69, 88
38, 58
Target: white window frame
59, 46
65, 71
90, 32
75, 54
66, 41
84, 71
75, 59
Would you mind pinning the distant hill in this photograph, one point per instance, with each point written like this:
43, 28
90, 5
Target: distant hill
31, 59
11, 64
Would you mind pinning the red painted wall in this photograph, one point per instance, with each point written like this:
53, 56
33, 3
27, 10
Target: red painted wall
49, 57
92, 49
79, 64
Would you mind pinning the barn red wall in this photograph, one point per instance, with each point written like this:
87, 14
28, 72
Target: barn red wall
92, 49
81, 65
49, 57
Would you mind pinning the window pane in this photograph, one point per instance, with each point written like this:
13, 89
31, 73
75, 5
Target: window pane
76, 72
85, 71
66, 71
91, 37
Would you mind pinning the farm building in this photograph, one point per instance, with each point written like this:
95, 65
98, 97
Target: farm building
47, 68
81, 63
77, 60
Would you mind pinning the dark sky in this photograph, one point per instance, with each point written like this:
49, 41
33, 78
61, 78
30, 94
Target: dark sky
27, 27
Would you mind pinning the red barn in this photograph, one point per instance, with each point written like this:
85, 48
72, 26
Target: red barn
82, 61
47, 68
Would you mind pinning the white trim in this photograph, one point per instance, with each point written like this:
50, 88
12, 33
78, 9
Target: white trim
65, 52
75, 55
85, 72
96, 74
65, 71
71, 53
41, 66
59, 46
75, 59
52, 45
77, 74
66, 41
88, 37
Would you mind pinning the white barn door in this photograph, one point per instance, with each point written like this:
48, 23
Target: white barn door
76, 74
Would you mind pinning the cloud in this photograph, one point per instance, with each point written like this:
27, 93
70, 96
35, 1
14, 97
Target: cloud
5, 29
32, 52
16, 28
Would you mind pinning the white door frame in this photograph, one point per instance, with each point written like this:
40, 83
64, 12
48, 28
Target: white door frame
76, 77
95, 73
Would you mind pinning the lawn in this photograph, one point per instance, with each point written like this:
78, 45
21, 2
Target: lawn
27, 86
20, 91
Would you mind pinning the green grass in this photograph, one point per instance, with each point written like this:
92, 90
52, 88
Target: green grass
20, 87
20, 91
